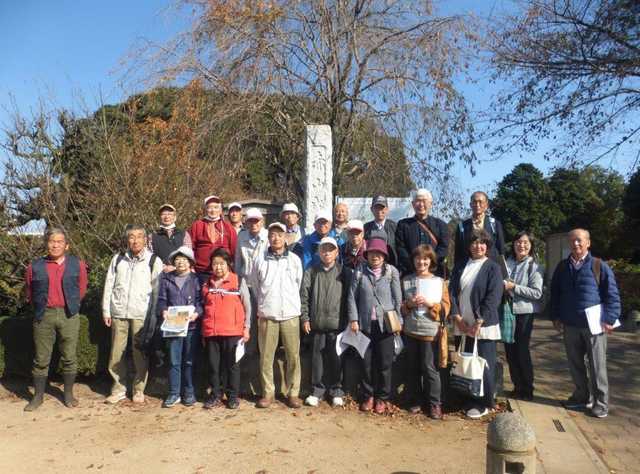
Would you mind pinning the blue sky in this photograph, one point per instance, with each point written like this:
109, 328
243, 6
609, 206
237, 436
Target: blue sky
65, 50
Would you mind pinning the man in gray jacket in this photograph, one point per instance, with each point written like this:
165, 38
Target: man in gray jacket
130, 294
323, 305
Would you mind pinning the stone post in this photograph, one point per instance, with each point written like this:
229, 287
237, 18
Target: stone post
318, 185
511, 445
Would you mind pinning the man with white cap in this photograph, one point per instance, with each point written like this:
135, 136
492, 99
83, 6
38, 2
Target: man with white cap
210, 233
290, 216
167, 237
234, 214
381, 227
252, 244
353, 250
323, 297
322, 226
277, 275
422, 228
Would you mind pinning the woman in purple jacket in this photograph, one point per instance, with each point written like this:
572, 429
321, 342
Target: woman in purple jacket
181, 288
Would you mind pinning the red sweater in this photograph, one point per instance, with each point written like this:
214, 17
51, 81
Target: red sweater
55, 271
202, 245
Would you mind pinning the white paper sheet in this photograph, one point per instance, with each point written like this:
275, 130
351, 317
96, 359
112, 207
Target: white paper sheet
239, 350
431, 289
341, 346
594, 318
177, 320
357, 340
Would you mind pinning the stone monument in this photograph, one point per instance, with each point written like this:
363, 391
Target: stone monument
511, 445
318, 185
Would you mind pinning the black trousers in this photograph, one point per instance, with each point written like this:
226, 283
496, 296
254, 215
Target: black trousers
487, 349
423, 382
326, 365
519, 355
377, 363
223, 368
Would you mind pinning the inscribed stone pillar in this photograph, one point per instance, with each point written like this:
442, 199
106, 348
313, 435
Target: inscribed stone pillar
318, 173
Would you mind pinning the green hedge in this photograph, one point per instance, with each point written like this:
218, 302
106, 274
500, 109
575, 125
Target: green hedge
16, 346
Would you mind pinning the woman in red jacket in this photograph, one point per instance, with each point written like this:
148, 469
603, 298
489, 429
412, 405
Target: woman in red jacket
226, 321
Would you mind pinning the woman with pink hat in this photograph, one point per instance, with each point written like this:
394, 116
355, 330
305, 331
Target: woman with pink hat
373, 303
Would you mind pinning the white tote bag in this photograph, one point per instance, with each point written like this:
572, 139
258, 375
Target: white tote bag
467, 371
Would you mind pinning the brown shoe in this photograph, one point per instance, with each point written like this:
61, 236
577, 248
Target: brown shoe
435, 412
367, 405
381, 407
264, 402
294, 402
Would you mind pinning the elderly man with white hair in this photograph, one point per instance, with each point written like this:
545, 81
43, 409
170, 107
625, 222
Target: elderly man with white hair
420, 229
584, 285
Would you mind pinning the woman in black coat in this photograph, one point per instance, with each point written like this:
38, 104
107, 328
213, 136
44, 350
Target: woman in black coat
475, 289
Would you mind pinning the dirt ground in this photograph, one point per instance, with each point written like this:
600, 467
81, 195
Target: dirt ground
100, 438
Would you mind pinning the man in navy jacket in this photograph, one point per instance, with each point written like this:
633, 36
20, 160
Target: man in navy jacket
581, 282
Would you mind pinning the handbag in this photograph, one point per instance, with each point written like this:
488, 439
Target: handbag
507, 322
392, 321
467, 371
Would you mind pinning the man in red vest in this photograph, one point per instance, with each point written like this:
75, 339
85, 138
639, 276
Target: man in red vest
209, 233
55, 286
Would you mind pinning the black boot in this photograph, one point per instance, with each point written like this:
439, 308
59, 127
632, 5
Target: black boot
39, 384
69, 400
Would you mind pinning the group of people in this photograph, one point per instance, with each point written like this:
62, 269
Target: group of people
255, 286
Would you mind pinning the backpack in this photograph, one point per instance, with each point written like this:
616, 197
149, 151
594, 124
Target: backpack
121, 255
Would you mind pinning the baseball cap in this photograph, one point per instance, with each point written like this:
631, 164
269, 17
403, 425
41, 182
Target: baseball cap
379, 201
253, 213
324, 214
212, 198
278, 226
328, 240
355, 224
290, 207
166, 206
234, 204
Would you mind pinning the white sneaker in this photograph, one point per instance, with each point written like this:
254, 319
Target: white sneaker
337, 402
474, 413
115, 398
312, 401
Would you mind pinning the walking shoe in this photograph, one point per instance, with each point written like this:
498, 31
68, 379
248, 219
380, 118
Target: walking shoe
294, 402
599, 411
337, 402
69, 400
39, 385
312, 401
435, 411
170, 401
138, 397
211, 402
233, 403
381, 407
264, 402
573, 403
367, 404
414, 409
189, 400
115, 398
475, 413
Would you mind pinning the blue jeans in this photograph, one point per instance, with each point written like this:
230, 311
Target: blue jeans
181, 353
